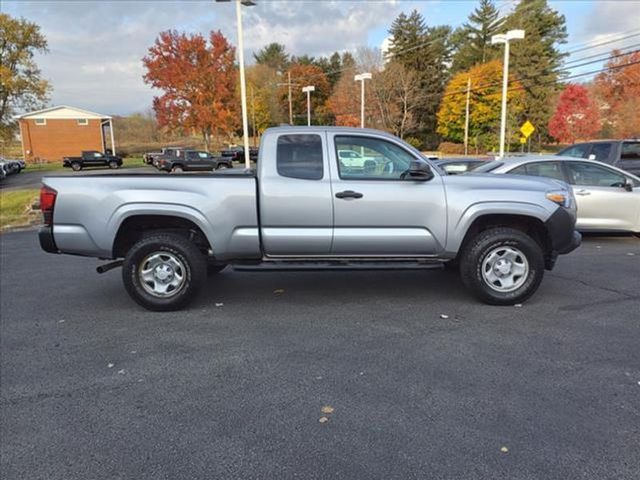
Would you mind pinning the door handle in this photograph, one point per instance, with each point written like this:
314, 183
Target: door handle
583, 192
349, 194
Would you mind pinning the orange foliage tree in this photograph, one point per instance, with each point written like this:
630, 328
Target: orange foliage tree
198, 78
344, 102
576, 116
303, 75
618, 93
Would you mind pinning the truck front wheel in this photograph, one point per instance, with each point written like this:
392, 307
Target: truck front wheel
502, 266
164, 271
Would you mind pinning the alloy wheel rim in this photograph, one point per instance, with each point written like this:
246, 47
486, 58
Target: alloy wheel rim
505, 269
162, 274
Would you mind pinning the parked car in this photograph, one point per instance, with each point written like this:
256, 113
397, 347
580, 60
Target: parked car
149, 157
3, 170
624, 154
456, 166
608, 198
12, 166
192, 160
237, 154
168, 155
92, 158
303, 209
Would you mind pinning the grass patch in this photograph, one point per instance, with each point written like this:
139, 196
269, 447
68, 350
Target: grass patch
15, 208
129, 162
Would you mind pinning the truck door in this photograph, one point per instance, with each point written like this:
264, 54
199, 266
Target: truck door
295, 204
377, 210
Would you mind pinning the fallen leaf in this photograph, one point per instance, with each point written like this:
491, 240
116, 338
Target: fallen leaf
121, 372
631, 254
504, 449
134, 351
444, 316
518, 305
110, 365
327, 409
61, 321
278, 291
323, 419
219, 304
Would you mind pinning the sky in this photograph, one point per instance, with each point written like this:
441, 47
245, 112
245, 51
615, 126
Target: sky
96, 47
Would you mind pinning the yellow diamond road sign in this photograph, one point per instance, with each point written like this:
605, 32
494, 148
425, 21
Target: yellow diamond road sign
527, 129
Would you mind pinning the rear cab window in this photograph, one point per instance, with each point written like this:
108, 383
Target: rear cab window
576, 151
300, 156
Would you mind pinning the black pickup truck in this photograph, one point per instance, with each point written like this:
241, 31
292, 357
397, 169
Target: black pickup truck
624, 154
237, 154
92, 158
192, 160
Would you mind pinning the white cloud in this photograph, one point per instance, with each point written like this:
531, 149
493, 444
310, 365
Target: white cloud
96, 47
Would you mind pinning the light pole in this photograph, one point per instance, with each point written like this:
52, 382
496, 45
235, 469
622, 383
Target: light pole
505, 38
243, 86
361, 78
308, 89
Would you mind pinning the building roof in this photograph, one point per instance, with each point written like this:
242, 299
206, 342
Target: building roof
62, 112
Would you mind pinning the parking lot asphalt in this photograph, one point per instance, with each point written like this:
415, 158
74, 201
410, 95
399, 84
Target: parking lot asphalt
94, 387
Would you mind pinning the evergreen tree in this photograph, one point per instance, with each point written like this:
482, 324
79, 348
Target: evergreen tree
426, 52
474, 38
274, 56
536, 60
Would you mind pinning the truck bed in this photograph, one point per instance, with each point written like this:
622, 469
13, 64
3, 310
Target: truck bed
91, 208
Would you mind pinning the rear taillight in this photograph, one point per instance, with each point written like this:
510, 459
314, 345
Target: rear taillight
47, 202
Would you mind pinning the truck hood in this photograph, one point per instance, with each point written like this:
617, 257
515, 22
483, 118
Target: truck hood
504, 182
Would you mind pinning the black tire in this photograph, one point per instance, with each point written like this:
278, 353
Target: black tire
76, 167
497, 240
113, 164
177, 169
176, 246
222, 166
215, 268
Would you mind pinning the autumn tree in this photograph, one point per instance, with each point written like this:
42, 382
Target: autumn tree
473, 39
484, 105
302, 75
344, 102
576, 117
199, 81
264, 107
617, 91
22, 87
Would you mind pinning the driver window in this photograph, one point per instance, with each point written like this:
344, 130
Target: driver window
365, 158
588, 174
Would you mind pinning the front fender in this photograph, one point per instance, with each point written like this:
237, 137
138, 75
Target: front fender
460, 226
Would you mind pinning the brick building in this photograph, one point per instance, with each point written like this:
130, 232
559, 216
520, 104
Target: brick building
53, 133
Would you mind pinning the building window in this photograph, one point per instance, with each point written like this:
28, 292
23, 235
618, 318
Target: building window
83, 121
41, 121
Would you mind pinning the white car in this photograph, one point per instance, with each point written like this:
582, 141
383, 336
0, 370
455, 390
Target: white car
352, 159
608, 198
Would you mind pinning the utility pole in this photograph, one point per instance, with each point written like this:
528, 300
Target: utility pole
289, 85
466, 119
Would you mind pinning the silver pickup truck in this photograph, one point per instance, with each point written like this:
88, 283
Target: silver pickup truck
304, 208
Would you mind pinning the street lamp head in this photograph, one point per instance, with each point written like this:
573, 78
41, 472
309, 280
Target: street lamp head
309, 88
362, 77
515, 34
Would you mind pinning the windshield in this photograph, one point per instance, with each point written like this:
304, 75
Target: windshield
488, 167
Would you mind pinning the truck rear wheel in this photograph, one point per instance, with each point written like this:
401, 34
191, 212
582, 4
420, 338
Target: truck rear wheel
177, 169
502, 266
164, 271
113, 164
76, 166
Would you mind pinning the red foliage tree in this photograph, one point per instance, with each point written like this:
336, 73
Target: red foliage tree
303, 75
618, 92
576, 116
199, 81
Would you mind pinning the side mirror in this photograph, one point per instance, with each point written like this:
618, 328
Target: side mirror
591, 157
419, 170
628, 185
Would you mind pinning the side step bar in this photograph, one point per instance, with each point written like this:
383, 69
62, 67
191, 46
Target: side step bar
289, 266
